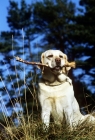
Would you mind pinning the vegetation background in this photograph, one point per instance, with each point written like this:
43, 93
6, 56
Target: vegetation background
34, 28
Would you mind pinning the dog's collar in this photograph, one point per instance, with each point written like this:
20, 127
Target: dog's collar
56, 82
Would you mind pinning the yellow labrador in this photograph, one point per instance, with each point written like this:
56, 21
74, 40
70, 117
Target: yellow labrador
56, 94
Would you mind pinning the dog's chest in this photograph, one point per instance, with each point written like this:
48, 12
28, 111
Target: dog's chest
55, 91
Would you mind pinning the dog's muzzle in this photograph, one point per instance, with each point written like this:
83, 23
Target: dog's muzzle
58, 64
58, 61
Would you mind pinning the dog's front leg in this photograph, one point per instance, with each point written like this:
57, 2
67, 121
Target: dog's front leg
45, 119
69, 118
46, 110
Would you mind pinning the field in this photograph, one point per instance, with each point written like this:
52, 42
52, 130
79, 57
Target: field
29, 125
31, 129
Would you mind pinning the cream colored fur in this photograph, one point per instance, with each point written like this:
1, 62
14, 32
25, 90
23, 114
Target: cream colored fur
56, 94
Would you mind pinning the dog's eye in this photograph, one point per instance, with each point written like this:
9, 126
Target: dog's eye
50, 56
60, 56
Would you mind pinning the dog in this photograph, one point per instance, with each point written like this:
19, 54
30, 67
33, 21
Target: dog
56, 94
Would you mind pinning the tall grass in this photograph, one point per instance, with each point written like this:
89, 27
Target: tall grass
30, 125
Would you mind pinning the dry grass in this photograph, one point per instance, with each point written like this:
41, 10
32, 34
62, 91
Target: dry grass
30, 127
32, 130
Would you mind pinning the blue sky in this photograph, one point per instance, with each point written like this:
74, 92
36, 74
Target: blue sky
3, 12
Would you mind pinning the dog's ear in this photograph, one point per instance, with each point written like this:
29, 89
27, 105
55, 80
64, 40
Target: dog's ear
42, 58
66, 60
41, 61
66, 69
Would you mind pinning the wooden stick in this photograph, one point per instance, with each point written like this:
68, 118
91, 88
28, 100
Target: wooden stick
71, 64
30, 63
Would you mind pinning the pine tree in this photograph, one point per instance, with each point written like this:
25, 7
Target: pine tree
85, 23
53, 19
84, 48
68, 32
18, 83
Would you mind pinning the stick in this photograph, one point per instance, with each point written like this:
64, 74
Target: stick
72, 64
30, 63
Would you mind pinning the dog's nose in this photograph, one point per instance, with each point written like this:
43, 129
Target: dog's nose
58, 61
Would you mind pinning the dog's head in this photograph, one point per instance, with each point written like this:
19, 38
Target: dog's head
56, 60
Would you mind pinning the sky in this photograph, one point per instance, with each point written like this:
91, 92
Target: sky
3, 12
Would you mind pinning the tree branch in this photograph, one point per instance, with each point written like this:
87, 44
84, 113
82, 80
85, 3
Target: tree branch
71, 64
